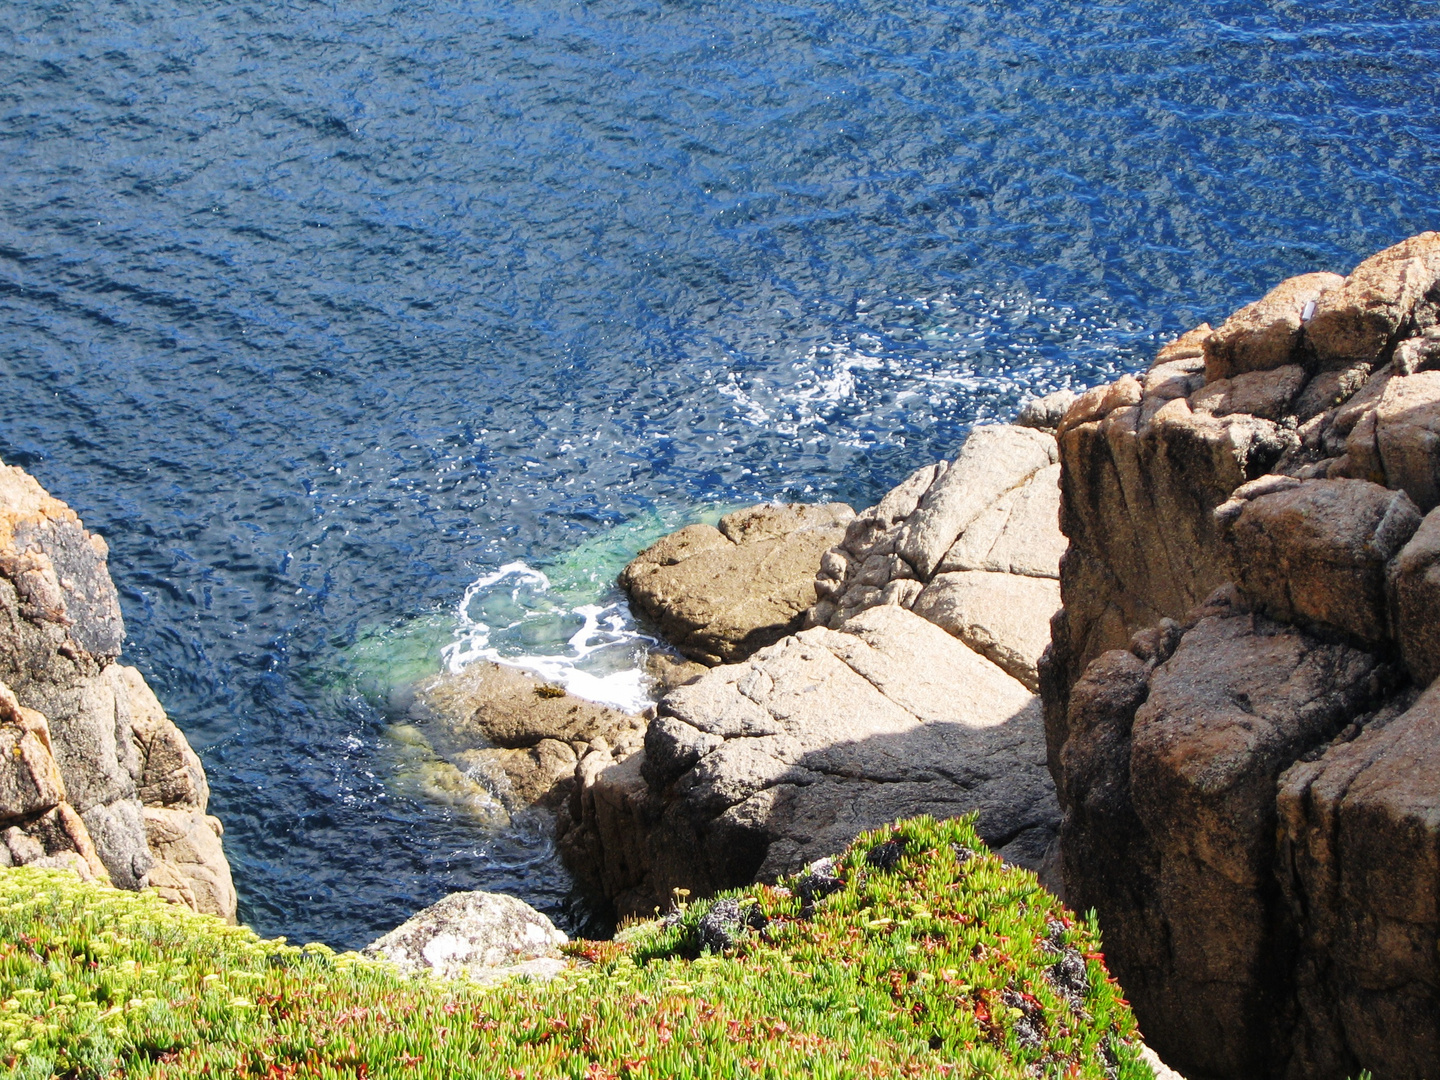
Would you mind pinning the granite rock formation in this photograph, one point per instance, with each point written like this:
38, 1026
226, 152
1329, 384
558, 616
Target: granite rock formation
500, 742
130, 800
719, 594
971, 545
1236, 707
756, 769
482, 936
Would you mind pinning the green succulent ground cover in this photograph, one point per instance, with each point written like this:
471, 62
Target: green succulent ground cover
928, 958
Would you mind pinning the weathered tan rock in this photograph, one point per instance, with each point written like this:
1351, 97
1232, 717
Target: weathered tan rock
1383, 296
1360, 836
1407, 436
1168, 771
994, 461
1415, 600
1266, 334
1017, 534
190, 866
1267, 394
988, 525
30, 781
1003, 617
1315, 551
514, 737
37, 825
60, 631
481, 936
667, 671
1184, 751
1138, 498
758, 768
718, 594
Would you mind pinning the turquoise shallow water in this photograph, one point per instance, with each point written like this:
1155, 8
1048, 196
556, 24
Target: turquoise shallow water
324, 313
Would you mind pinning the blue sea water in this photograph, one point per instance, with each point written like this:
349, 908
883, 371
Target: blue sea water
329, 315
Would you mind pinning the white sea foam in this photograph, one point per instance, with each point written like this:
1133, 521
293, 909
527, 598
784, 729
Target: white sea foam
513, 616
976, 353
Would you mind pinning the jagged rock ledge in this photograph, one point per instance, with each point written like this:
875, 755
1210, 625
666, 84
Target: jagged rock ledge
1236, 697
93, 774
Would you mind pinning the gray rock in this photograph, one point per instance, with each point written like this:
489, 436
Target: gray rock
1003, 617
118, 829
477, 935
994, 461
1018, 534
803, 746
113, 746
1045, 413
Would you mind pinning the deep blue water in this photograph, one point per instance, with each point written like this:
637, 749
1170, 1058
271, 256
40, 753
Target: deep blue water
320, 312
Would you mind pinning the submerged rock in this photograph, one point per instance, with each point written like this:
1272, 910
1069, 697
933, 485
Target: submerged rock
477, 935
505, 742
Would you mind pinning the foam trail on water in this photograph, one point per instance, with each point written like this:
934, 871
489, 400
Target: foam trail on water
514, 616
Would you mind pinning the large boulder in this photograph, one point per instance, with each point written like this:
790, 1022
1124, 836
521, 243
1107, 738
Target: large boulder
719, 594
1169, 762
755, 769
1389, 295
1360, 859
1266, 335
37, 826
115, 750
481, 936
973, 545
1316, 551
1415, 600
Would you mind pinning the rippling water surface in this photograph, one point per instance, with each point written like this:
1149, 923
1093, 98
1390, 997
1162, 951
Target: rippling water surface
326, 315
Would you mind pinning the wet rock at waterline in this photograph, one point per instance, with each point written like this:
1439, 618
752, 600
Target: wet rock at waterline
496, 741
719, 593
477, 935
98, 777
756, 769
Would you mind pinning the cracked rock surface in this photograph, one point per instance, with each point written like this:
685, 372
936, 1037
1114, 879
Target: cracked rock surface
972, 545
757, 769
483, 936
98, 777
1240, 695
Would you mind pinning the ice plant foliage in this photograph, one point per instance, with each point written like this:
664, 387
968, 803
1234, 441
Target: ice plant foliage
915, 954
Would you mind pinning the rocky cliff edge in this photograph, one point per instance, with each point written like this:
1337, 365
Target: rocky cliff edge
93, 774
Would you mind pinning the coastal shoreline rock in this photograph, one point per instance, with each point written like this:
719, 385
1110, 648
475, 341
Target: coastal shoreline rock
755, 770
124, 797
719, 593
1237, 712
